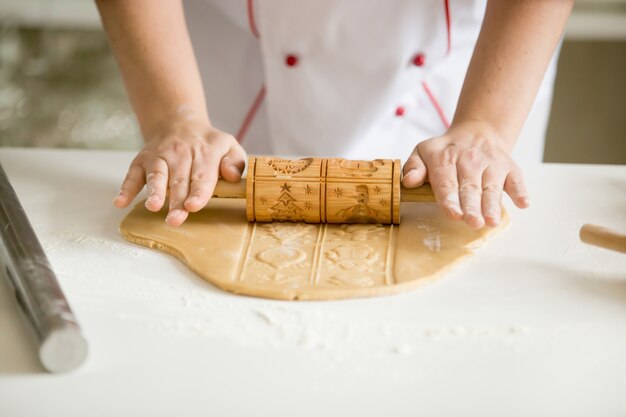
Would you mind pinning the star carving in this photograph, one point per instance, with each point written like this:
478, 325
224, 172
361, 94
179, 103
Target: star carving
382, 202
377, 190
307, 205
262, 200
308, 190
338, 192
286, 187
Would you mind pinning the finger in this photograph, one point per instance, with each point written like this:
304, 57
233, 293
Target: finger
156, 183
179, 170
443, 179
515, 187
493, 183
470, 191
204, 173
414, 171
233, 164
133, 183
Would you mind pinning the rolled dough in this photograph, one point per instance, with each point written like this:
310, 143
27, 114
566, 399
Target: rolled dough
298, 261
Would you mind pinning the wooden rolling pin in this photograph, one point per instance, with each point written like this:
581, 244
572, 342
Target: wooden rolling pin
603, 237
320, 190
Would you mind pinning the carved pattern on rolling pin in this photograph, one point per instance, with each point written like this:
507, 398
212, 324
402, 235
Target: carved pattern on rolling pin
360, 211
289, 166
358, 168
285, 207
317, 190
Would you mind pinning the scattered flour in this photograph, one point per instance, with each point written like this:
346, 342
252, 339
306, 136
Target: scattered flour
103, 277
403, 349
68, 240
433, 242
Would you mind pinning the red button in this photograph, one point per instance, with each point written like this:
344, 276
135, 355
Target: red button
399, 111
291, 60
419, 60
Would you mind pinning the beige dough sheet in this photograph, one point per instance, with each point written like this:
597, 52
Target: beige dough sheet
298, 261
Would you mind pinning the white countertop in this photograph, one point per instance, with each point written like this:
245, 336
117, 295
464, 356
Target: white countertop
534, 324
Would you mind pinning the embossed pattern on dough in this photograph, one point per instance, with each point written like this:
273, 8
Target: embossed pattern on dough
308, 261
299, 255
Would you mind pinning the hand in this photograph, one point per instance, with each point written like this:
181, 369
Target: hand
468, 168
185, 159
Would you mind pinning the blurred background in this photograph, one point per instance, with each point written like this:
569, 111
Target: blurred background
59, 85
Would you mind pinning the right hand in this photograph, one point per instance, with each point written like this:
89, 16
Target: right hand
184, 159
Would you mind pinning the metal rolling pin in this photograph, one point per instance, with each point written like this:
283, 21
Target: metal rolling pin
62, 346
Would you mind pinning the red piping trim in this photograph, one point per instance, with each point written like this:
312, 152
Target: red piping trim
251, 21
436, 105
241, 134
446, 5
254, 108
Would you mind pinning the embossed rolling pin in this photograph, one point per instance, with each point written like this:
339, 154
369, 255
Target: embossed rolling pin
323, 190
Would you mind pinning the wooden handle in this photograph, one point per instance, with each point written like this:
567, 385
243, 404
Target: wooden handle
603, 237
225, 189
420, 194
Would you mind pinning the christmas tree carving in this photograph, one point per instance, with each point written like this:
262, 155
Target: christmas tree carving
285, 206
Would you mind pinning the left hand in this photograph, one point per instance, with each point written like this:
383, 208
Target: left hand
468, 168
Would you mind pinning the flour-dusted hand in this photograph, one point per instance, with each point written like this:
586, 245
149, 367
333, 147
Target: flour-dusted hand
185, 160
184, 154
470, 165
468, 168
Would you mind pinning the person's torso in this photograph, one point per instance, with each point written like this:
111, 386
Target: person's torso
351, 78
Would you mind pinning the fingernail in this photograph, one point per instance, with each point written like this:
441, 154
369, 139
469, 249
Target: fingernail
493, 218
153, 199
172, 214
475, 214
453, 203
491, 212
475, 220
235, 169
192, 200
524, 201
409, 177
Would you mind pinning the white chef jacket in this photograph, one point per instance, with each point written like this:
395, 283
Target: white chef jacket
345, 78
